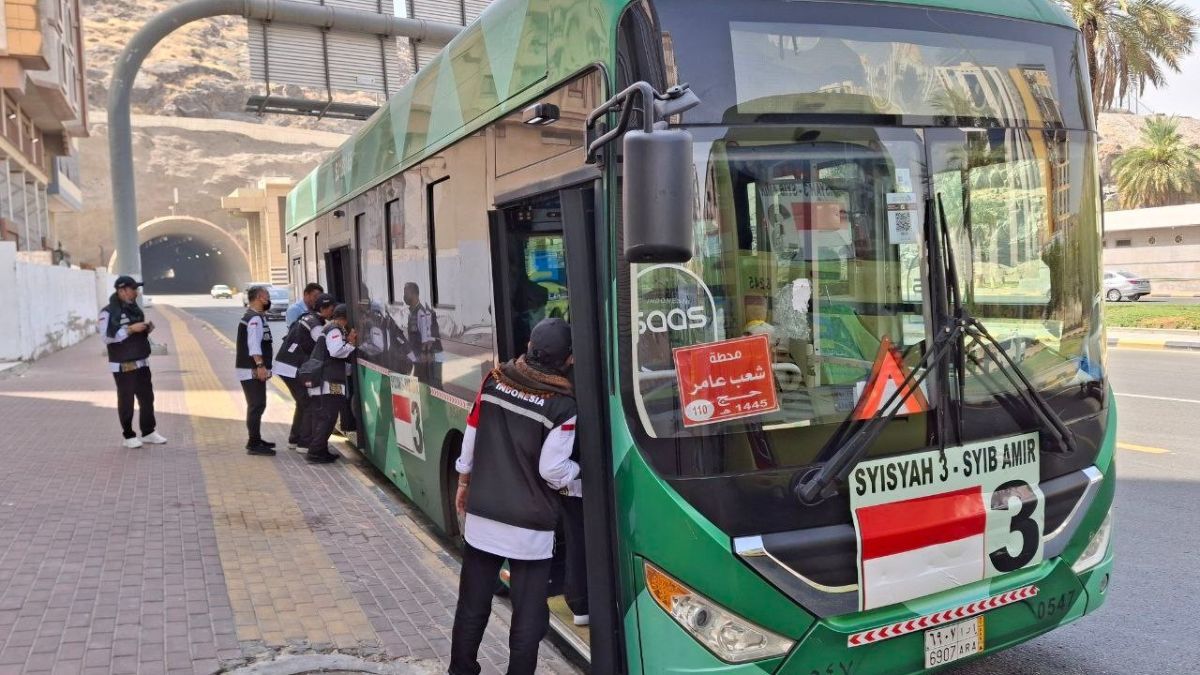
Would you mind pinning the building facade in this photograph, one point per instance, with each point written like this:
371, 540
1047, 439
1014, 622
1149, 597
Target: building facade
43, 110
263, 205
1161, 244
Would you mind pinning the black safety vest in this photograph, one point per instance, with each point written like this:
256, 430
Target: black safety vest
334, 371
133, 348
512, 426
298, 346
243, 358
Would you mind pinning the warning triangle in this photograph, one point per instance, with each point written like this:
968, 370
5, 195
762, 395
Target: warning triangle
887, 376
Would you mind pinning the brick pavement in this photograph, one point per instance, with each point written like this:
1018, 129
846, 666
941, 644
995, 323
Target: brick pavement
194, 557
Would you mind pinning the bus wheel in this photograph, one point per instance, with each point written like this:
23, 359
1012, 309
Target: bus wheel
451, 448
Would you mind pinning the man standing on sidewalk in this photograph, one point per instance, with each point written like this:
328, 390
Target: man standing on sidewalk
297, 347
253, 362
523, 423
306, 304
127, 339
335, 346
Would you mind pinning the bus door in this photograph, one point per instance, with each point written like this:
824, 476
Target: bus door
547, 255
529, 259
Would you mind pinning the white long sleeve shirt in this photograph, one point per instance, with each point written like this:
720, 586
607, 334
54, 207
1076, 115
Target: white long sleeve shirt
339, 348
555, 467
254, 336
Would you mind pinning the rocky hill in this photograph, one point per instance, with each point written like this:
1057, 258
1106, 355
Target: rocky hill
203, 159
200, 70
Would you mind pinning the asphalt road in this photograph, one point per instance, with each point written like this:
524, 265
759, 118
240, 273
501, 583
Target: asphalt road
1148, 624
1170, 301
224, 315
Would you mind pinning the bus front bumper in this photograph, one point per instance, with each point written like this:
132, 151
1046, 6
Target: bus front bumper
1061, 597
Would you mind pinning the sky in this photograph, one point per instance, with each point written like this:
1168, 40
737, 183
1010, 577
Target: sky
1181, 93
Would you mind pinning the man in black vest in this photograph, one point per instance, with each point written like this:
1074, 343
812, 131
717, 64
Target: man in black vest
329, 398
253, 363
127, 339
523, 424
296, 348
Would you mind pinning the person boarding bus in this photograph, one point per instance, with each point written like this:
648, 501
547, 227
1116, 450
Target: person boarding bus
297, 347
516, 457
334, 347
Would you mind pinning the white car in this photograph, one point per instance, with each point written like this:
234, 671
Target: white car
220, 291
1120, 285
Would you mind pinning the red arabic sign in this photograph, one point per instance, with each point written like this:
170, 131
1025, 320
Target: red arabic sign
725, 380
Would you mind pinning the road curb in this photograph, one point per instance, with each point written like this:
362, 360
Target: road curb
1139, 343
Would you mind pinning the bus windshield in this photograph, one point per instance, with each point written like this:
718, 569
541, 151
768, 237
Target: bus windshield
809, 238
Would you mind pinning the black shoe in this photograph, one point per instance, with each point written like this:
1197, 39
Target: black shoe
259, 450
321, 457
268, 444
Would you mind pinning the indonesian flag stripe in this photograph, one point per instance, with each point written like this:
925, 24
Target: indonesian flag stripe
938, 618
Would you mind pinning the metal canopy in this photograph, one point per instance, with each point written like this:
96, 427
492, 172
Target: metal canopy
280, 105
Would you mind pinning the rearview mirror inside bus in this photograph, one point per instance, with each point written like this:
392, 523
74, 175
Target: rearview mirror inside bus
658, 196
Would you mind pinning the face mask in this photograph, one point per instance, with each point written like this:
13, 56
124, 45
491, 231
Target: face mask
266, 305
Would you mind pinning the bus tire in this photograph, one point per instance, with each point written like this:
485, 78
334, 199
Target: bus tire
451, 448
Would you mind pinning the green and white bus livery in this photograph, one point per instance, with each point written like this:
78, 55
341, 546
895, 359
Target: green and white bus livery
833, 269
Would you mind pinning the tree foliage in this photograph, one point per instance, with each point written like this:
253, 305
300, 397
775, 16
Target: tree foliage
1131, 43
1161, 171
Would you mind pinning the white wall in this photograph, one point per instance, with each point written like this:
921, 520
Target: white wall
56, 307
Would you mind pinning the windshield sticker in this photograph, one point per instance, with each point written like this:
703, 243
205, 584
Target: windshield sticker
903, 218
931, 521
725, 380
887, 375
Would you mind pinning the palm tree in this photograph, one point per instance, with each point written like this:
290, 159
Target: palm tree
1161, 171
1131, 43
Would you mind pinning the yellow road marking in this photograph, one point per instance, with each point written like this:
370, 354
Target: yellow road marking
1143, 448
282, 584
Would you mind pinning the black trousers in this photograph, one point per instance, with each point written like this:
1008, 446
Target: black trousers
300, 428
575, 580
349, 421
531, 615
324, 411
256, 405
135, 384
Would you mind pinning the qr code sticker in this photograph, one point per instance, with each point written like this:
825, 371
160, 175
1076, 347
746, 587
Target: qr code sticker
902, 225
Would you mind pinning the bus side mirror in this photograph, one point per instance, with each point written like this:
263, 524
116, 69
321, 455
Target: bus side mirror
658, 196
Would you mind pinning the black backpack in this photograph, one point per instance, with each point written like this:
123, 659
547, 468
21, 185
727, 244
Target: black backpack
311, 372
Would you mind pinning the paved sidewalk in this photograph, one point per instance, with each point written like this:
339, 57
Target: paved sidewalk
194, 557
1145, 338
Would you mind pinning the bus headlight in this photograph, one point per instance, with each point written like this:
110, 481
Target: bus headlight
730, 637
1096, 548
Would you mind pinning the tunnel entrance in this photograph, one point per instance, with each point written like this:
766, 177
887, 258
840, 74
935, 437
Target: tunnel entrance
185, 254
177, 264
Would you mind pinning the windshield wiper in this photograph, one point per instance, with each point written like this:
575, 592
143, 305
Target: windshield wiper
953, 326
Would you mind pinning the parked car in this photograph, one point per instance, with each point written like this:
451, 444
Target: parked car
1120, 285
221, 291
280, 299
247, 287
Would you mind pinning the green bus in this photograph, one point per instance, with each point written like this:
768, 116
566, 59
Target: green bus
833, 270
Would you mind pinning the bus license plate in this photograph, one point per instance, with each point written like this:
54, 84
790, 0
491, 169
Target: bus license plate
951, 643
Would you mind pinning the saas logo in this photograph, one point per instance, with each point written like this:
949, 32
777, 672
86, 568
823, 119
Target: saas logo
672, 299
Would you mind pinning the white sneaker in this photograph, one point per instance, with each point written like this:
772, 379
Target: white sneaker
155, 438
582, 620
132, 443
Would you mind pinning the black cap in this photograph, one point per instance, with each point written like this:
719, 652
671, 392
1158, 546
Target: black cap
126, 281
324, 300
341, 311
550, 343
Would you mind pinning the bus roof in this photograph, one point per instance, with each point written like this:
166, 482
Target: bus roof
480, 75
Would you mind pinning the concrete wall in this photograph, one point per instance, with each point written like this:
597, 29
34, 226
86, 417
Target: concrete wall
1173, 267
56, 307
